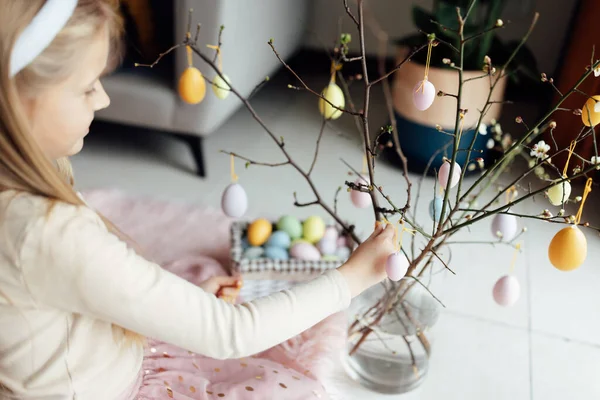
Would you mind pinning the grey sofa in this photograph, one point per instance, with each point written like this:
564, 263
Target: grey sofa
150, 100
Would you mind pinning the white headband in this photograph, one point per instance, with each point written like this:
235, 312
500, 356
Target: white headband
42, 30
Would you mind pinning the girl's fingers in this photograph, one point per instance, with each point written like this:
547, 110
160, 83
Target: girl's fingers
229, 292
230, 281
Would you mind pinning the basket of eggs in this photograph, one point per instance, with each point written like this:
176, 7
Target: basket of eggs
273, 255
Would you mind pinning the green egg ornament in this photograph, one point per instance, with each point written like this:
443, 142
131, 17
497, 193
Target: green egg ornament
291, 226
221, 87
314, 229
559, 193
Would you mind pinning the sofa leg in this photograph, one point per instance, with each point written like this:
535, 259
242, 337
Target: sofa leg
195, 144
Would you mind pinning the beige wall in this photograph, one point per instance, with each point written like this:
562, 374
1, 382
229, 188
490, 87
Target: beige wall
395, 17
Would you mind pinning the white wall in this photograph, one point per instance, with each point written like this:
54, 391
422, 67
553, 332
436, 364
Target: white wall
395, 17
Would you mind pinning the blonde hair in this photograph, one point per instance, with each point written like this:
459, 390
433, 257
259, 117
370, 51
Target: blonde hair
23, 166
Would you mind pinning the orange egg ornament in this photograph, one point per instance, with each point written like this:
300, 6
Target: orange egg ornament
192, 87
588, 113
568, 249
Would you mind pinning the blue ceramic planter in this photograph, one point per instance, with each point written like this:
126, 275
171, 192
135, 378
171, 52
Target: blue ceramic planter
420, 142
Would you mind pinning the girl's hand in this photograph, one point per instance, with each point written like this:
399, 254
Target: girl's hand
224, 287
366, 265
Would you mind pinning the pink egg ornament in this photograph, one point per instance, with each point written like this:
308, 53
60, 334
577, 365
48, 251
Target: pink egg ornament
396, 266
423, 95
234, 201
331, 233
506, 291
358, 198
444, 174
327, 246
305, 251
505, 226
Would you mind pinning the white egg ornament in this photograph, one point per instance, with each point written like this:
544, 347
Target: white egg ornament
334, 94
423, 95
396, 266
559, 193
234, 201
358, 198
444, 174
221, 87
505, 226
506, 291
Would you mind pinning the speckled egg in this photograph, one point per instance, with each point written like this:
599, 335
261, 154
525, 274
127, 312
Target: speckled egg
568, 249
253, 252
279, 239
444, 174
305, 251
505, 226
259, 232
423, 95
313, 229
506, 291
396, 266
290, 225
276, 253
327, 246
234, 201
559, 193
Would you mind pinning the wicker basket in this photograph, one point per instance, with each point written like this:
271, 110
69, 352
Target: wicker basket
263, 276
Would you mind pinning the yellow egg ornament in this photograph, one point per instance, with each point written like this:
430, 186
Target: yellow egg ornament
589, 115
192, 87
334, 94
559, 193
259, 232
568, 249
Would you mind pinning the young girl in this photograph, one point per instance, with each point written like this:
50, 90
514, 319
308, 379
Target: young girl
76, 302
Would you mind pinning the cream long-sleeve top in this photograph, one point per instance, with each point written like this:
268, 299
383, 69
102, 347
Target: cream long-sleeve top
65, 279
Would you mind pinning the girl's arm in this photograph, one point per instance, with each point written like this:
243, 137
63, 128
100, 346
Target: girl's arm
70, 261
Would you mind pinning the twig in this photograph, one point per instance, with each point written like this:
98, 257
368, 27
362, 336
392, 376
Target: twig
349, 12
335, 199
493, 28
317, 146
397, 67
259, 86
442, 261
249, 161
429, 291
219, 43
159, 57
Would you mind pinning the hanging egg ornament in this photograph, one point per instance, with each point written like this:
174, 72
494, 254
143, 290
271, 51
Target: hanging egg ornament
589, 115
396, 266
444, 174
335, 95
234, 201
423, 95
505, 226
506, 291
358, 198
435, 208
192, 87
221, 87
559, 193
568, 248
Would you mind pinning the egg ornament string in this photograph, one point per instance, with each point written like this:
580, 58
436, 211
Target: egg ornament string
234, 201
397, 263
424, 91
359, 198
334, 95
506, 226
568, 248
559, 193
192, 87
507, 290
220, 86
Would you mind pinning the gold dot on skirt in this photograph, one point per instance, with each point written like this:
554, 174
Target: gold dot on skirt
180, 378
275, 371
166, 383
259, 377
192, 389
195, 365
217, 369
283, 386
244, 365
209, 392
170, 392
296, 378
221, 395
250, 388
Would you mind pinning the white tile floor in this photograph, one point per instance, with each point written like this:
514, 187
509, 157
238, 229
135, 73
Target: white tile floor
546, 347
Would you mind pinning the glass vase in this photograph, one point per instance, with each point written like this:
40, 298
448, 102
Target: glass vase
389, 340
